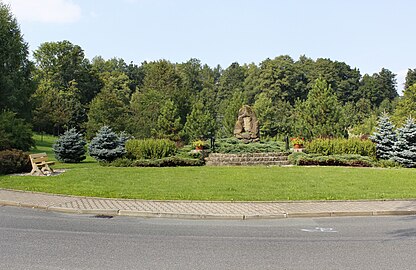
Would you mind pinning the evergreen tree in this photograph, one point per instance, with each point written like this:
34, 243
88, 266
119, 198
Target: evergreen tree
16, 85
168, 124
15, 132
410, 78
230, 115
145, 110
106, 145
405, 146
321, 115
406, 105
274, 117
70, 147
199, 122
384, 137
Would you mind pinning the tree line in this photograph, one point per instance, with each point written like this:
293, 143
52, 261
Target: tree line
62, 89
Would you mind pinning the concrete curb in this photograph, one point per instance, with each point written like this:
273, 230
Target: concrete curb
228, 210
144, 214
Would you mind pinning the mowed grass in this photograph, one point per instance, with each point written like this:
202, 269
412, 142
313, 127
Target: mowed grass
225, 183
221, 183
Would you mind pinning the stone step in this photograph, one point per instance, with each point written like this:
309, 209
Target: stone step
270, 163
247, 159
271, 154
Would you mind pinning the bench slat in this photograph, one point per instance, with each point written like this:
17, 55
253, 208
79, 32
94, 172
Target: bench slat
40, 163
38, 155
40, 160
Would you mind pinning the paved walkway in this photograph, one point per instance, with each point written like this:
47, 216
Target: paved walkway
204, 210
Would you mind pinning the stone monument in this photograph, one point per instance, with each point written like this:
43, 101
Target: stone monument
247, 125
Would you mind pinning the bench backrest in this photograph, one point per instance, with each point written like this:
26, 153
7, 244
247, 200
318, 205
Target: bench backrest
38, 158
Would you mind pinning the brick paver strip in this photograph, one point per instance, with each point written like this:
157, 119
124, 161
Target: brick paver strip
205, 209
31, 198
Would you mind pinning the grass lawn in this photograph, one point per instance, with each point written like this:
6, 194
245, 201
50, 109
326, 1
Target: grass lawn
220, 183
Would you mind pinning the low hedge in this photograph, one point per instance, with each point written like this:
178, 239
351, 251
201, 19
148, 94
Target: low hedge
303, 159
14, 161
150, 148
353, 146
235, 146
163, 162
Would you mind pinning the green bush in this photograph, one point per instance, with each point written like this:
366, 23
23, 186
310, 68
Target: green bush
150, 148
303, 159
15, 133
163, 162
353, 146
235, 146
14, 161
383, 163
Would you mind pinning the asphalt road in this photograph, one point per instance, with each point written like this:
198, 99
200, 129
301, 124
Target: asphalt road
35, 239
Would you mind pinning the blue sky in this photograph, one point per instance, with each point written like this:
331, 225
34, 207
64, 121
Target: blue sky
366, 34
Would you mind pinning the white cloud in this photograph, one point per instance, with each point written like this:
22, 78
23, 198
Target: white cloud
46, 11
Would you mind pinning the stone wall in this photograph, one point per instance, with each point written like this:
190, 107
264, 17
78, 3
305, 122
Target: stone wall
248, 159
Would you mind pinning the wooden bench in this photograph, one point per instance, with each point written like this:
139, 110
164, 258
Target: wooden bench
40, 164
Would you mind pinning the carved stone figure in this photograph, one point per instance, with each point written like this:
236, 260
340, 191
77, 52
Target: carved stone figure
247, 125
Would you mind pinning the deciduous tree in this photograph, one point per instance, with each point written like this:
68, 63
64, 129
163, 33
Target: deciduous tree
111, 106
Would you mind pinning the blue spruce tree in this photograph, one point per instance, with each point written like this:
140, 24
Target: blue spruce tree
405, 146
384, 137
106, 145
70, 147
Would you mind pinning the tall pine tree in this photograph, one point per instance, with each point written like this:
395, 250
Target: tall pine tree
199, 122
321, 115
168, 125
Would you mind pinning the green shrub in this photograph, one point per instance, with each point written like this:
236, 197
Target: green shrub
120, 162
303, 159
189, 152
383, 163
353, 146
235, 146
15, 133
14, 161
150, 148
163, 162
